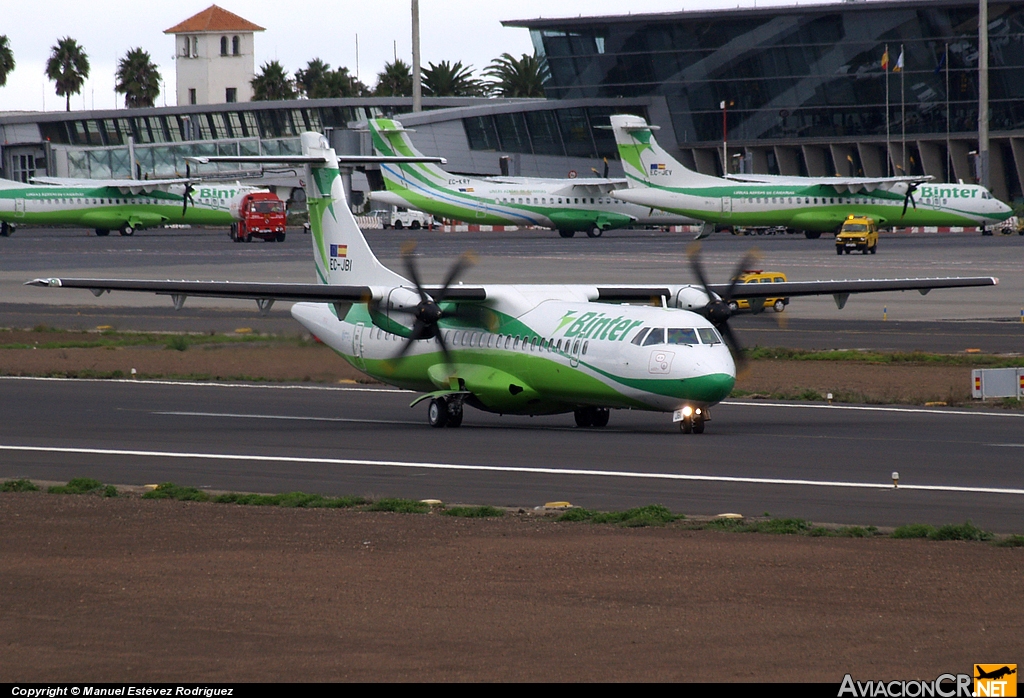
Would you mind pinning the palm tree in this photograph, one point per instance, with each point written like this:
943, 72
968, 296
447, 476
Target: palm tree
272, 83
318, 81
6, 59
447, 80
395, 80
518, 78
137, 79
68, 68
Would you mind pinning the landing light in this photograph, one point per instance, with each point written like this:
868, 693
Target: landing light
687, 411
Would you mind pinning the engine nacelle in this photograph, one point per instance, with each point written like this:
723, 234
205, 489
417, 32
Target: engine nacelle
692, 298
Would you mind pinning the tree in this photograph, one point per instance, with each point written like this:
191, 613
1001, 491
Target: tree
395, 80
518, 78
137, 79
318, 81
272, 83
447, 80
67, 68
6, 59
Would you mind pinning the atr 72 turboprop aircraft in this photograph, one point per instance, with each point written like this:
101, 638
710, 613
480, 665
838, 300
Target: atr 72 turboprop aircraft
814, 205
125, 205
511, 349
567, 205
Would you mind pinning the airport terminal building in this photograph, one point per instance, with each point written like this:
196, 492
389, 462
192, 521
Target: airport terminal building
803, 87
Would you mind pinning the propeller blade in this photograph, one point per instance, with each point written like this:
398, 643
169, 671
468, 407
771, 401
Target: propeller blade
410, 268
748, 260
465, 260
734, 347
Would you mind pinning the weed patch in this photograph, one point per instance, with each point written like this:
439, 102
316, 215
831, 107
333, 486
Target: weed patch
168, 490
289, 500
651, 515
84, 485
21, 485
913, 531
1011, 542
964, 531
400, 506
474, 512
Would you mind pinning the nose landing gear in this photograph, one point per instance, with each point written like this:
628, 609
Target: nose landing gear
692, 419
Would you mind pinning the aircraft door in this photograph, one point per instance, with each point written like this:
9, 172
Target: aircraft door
574, 353
726, 206
357, 344
19, 207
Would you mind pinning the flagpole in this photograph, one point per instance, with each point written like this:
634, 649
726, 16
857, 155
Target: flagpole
949, 155
903, 107
888, 160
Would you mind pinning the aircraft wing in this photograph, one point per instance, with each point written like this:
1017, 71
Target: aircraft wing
841, 290
840, 184
126, 186
312, 293
581, 181
313, 159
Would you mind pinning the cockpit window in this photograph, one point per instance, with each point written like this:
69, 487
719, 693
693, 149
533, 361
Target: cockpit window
682, 336
639, 339
709, 335
657, 336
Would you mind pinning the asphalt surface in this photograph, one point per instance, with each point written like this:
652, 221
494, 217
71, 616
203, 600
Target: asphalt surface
987, 319
826, 464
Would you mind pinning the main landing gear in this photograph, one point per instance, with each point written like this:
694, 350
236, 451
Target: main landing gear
445, 412
591, 417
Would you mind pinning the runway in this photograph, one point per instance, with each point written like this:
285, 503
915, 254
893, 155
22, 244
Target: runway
826, 464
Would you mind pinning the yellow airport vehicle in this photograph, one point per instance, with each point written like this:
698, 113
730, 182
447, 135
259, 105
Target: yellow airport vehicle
759, 276
858, 233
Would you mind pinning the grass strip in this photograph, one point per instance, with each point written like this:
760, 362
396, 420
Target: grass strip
482, 512
20, 485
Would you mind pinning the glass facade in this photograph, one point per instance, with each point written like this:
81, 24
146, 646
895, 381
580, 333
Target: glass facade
796, 72
577, 132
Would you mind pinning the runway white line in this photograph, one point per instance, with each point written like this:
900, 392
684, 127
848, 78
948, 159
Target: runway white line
211, 384
874, 408
508, 469
231, 415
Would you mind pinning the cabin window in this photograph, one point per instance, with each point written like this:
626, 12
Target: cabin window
515, 344
576, 347
585, 345
558, 346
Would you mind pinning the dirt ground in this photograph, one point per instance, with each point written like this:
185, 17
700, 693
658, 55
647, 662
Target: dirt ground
130, 590
851, 381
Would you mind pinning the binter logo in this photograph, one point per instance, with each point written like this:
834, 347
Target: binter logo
995, 680
597, 326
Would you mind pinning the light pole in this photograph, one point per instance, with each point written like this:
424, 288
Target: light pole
725, 134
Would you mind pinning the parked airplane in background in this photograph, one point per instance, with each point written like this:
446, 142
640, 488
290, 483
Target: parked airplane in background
567, 205
118, 204
815, 205
511, 349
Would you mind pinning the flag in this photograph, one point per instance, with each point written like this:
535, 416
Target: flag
885, 60
899, 63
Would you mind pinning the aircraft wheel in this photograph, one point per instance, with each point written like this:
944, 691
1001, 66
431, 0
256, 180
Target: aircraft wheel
567, 233
454, 414
280, 237
600, 416
686, 426
584, 418
437, 412
811, 235
779, 306
698, 424
595, 232
6, 229
127, 230
101, 233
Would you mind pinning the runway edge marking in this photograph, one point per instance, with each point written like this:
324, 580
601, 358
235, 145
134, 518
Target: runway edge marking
508, 469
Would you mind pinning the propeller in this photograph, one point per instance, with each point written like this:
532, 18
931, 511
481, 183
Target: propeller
428, 312
717, 310
187, 196
908, 198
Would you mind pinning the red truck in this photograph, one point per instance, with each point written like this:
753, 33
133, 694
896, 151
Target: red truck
261, 215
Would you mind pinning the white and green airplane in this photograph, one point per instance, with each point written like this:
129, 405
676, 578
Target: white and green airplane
125, 205
510, 349
814, 205
567, 205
